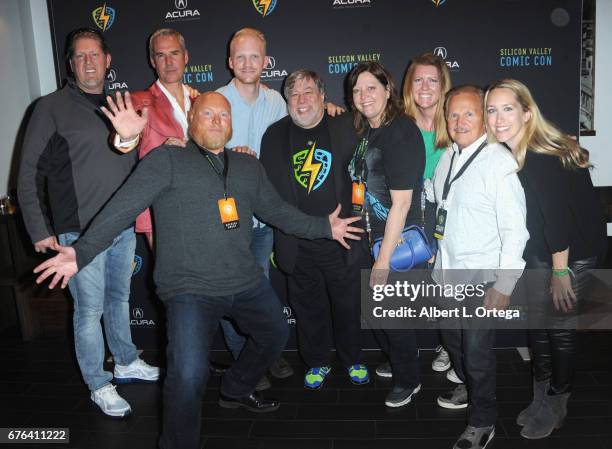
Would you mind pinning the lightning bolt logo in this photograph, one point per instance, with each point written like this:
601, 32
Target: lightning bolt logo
438, 2
264, 7
103, 16
311, 168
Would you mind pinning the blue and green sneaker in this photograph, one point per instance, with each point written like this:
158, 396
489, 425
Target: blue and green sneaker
315, 377
359, 374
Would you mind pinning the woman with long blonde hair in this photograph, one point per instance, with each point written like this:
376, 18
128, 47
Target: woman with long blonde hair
567, 234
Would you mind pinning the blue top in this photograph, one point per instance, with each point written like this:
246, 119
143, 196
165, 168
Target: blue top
250, 121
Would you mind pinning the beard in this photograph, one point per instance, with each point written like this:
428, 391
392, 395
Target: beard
211, 140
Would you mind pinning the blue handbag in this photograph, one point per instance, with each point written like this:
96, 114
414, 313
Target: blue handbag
412, 249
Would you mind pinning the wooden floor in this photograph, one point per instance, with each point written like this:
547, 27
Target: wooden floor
40, 386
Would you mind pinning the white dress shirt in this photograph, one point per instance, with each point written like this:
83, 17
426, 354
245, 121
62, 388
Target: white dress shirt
485, 222
179, 115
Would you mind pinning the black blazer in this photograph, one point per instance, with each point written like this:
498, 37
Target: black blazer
275, 155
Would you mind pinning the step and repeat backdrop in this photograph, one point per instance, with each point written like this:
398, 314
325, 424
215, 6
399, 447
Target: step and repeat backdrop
537, 42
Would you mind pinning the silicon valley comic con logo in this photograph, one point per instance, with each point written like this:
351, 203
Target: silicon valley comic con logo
342, 64
198, 73
342, 4
181, 12
113, 84
272, 73
104, 17
438, 2
264, 7
138, 318
452, 64
525, 57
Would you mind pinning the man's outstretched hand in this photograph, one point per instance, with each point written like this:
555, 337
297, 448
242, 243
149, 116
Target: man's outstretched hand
128, 123
341, 228
63, 266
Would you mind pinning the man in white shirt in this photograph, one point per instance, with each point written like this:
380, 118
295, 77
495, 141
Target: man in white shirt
481, 226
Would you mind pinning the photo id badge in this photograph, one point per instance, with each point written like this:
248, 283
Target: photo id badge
440, 224
358, 196
229, 213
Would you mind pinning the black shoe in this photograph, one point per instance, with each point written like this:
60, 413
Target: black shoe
253, 403
281, 369
217, 369
263, 384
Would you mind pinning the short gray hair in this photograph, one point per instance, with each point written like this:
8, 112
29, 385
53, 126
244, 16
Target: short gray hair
166, 32
300, 75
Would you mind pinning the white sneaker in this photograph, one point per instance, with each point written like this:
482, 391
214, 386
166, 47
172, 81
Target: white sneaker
110, 402
442, 361
137, 371
452, 376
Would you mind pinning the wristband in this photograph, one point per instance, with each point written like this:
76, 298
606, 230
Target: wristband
561, 272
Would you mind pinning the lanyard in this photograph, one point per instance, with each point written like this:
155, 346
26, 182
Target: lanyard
448, 182
359, 156
221, 174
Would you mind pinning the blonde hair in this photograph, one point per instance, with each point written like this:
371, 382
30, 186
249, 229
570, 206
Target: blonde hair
411, 109
540, 136
252, 32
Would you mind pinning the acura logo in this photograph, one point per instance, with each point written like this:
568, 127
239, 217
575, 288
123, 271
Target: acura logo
271, 63
287, 311
137, 313
180, 4
112, 75
440, 51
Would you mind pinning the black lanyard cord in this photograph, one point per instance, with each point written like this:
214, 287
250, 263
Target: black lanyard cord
222, 174
448, 182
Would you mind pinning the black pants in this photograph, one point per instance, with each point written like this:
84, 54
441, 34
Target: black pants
473, 358
320, 270
554, 349
192, 321
400, 347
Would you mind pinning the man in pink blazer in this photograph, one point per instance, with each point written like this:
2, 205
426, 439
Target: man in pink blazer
163, 107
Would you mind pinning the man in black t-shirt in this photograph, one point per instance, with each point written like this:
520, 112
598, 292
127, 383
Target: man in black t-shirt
306, 156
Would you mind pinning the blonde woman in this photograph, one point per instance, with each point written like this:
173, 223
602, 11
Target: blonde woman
566, 228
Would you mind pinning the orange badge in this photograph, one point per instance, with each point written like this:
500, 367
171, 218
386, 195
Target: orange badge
358, 192
228, 213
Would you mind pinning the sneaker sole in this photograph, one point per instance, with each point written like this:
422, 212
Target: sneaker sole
226, 404
133, 380
124, 415
386, 375
451, 406
441, 369
454, 379
405, 401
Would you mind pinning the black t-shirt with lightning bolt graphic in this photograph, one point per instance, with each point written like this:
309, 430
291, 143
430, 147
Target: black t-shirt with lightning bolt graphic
312, 169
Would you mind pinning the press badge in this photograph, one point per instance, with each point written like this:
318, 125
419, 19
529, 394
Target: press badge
440, 223
358, 195
229, 213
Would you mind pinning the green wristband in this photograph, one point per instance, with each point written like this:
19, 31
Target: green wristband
560, 272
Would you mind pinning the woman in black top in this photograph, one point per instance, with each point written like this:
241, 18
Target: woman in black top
567, 233
390, 161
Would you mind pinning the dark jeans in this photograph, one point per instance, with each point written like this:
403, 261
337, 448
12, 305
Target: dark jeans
320, 271
191, 324
473, 359
554, 349
400, 347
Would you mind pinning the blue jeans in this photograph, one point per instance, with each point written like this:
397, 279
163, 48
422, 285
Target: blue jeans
261, 247
102, 289
191, 324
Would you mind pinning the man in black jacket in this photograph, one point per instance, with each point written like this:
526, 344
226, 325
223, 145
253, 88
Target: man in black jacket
306, 156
